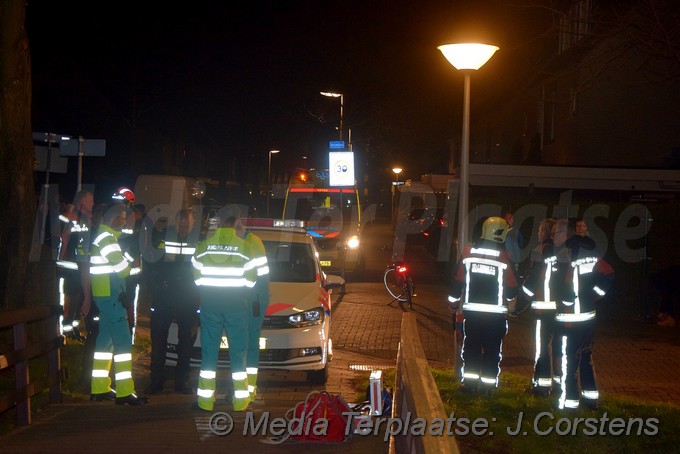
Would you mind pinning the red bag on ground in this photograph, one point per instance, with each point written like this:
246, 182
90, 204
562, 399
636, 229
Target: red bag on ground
323, 412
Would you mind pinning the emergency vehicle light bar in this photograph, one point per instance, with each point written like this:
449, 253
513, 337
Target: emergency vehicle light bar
266, 222
323, 190
289, 223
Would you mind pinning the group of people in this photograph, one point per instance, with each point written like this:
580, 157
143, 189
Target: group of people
223, 279
564, 285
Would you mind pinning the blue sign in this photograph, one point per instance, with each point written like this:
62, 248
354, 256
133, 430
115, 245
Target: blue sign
336, 145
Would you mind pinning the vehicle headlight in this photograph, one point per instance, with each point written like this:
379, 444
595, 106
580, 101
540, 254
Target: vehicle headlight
353, 242
306, 318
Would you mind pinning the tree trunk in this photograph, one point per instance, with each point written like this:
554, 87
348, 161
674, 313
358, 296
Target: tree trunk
17, 191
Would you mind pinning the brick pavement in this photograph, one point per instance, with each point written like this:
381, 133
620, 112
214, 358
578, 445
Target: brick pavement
633, 358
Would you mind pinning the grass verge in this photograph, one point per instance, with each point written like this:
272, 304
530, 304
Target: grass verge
512, 420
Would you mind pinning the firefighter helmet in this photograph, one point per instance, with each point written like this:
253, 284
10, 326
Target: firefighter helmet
124, 195
495, 229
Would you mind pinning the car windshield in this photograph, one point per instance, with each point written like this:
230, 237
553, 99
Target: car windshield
290, 262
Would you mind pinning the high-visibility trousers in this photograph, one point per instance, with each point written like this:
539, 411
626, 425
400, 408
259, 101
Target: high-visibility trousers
232, 318
114, 342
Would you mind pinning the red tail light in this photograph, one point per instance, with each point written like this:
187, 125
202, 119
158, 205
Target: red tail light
401, 269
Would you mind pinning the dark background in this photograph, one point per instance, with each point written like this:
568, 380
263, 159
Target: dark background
207, 88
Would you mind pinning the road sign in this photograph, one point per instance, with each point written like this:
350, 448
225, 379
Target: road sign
336, 145
91, 147
46, 137
341, 168
57, 163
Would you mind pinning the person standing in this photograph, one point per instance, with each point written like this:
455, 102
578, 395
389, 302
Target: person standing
580, 228
537, 289
129, 241
70, 264
225, 276
108, 270
486, 278
587, 280
259, 300
175, 296
514, 242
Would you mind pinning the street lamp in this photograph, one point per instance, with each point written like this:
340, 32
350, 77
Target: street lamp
342, 104
397, 171
466, 57
269, 178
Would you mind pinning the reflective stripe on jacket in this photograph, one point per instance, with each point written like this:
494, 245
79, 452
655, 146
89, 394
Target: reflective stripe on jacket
591, 277
220, 261
106, 262
485, 279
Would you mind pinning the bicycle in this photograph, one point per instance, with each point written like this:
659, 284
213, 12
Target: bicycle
399, 283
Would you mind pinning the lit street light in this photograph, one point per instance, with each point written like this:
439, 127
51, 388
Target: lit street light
342, 104
466, 58
269, 178
397, 171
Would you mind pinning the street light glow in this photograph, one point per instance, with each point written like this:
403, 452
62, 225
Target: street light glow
397, 170
332, 94
468, 55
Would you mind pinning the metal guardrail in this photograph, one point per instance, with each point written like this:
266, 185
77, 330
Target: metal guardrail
23, 352
416, 396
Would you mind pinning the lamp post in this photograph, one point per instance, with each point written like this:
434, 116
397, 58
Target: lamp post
269, 178
342, 104
397, 171
466, 57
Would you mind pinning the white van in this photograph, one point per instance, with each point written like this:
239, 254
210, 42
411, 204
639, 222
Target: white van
164, 195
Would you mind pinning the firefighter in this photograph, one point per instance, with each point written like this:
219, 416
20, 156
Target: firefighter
175, 296
108, 270
225, 276
537, 289
76, 220
259, 300
130, 244
487, 278
587, 280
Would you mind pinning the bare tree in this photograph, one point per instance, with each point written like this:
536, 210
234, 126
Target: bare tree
17, 193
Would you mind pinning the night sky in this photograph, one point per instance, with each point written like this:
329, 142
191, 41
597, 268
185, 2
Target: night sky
240, 78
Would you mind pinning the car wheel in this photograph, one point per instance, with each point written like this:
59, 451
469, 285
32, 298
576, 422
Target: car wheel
318, 377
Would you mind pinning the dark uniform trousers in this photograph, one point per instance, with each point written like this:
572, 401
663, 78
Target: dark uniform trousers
482, 347
548, 349
577, 362
173, 300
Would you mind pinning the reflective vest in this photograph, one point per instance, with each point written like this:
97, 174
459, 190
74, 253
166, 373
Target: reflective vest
71, 243
221, 261
255, 249
537, 287
106, 261
175, 261
590, 277
486, 279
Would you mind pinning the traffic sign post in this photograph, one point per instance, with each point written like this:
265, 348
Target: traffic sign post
81, 147
43, 142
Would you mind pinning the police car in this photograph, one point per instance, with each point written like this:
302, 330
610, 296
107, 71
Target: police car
296, 329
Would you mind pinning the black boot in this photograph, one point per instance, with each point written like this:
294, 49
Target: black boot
133, 400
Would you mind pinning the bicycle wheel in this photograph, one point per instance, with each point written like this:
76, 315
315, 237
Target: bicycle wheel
393, 285
408, 290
